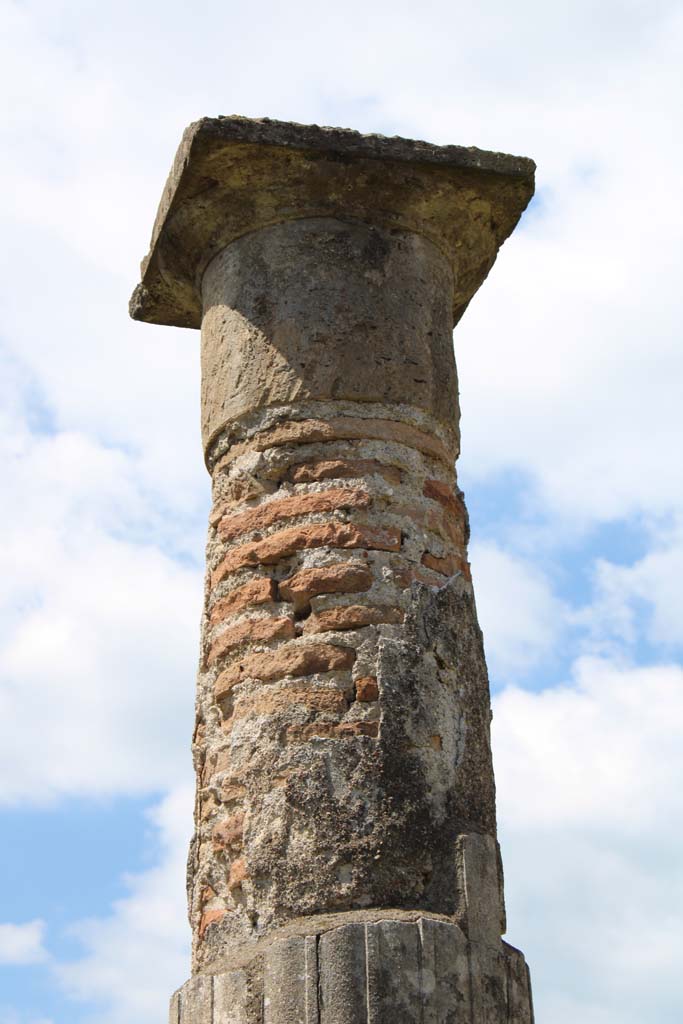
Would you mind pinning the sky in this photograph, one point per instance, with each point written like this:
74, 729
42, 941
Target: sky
570, 369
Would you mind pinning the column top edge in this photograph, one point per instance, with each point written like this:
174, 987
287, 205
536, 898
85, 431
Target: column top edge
266, 131
232, 175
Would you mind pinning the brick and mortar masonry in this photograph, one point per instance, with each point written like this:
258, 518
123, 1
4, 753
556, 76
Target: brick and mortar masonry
316, 544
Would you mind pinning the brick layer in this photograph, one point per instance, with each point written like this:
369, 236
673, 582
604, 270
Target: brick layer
312, 556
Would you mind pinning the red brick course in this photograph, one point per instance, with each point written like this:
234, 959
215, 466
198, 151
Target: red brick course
340, 469
342, 578
442, 493
263, 516
353, 616
287, 661
447, 566
433, 519
258, 591
254, 630
286, 543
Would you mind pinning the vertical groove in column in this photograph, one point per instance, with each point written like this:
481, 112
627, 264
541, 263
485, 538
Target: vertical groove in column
386, 971
427, 973
318, 979
311, 984
420, 971
367, 974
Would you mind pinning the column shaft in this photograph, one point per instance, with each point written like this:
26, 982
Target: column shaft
342, 721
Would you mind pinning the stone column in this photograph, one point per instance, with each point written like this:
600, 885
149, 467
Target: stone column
344, 866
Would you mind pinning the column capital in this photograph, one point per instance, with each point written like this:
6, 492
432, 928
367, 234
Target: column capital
234, 175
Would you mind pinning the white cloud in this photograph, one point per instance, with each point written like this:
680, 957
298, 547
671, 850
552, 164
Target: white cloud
98, 679
136, 958
600, 748
22, 943
521, 618
99, 632
10, 1016
591, 824
645, 598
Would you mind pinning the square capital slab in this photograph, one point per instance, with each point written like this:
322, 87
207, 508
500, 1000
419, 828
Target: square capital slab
235, 175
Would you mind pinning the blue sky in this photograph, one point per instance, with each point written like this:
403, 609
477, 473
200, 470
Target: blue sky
570, 365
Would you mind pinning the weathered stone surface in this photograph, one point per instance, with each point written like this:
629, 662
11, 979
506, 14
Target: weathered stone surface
342, 744
290, 990
174, 1009
238, 874
196, 1000
229, 832
430, 578
276, 700
263, 322
232, 1001
341, 812
419, 971
393, 971
445, 970
480, 887
520, 1003
233, 175
343, 978
488, 981
330, 731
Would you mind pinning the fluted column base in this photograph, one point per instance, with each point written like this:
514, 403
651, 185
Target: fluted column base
392, 971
